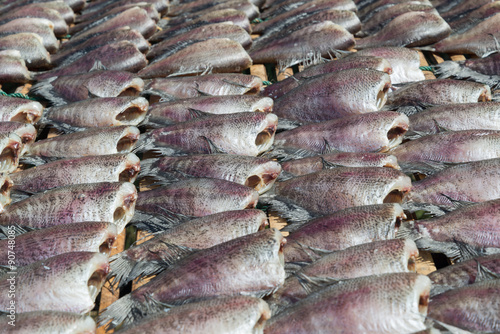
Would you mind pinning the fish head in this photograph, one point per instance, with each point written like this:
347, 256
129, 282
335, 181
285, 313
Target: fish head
411, 254
124, 205
399, 188
30, 112
127, 139
108, 239
265, 132
485, 94
133, 88
11, 146
130, 167
390, 161
264, 104
396, 130
98, 270
134, 113
263, 176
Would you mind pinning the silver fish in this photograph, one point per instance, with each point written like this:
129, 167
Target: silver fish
13, 68
40, 322
42, 27
20, 110
30, 46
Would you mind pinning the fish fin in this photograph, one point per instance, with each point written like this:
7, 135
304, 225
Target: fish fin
424, 48
148, 167
213, 149
287, 124
164, 97
462, 251
308, 59
60, 126
285, 154
312, 284
414, 134
170, 50
147, 143
327, 148
484, 273
35, 160
44, 89
423, 167
437, 327
458, 203
284, 175
289, 211
291, 267
447, 69
407, 231
229, 82
439, 128
157, 222
341, 53
195, 113
456, 70
98, 66
198, 70
329, 165
127, 310
19, 195
4, 270
17, 228
432, 209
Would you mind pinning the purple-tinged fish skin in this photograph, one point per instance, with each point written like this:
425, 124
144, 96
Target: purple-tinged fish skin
475, 225
120, 56
383, 17
487, 65
437, 92
367, 12
302, 6
47, 284
245, 6
13, 69
481, 40
154, 255
136, 18
209, 31
220, 55
40, 322
93, 141
48, 242
105, 201
92, 20
198, 197
241, 314
405, 62
172, 112
255, 172
473, 18
247, 133
346, 159
451, 147
463, 9
474, 308
409, 29
464, 182
42, 27
122, 167
342, 229
249, 265
463, 273
70, 53
30, 46
335, 95
457, 117
63, 8
100, 112
280, 88
225, 15
372, 258
37, 10
25, 131
190, 6
321, 38
211, 84
371, 132
388, 303
19, 110
351, 186
104, 6
78, 87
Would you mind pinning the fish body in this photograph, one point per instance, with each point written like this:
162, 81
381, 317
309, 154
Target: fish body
255, 172
210, 84
102, 83
89, 169
93, 141
473, 308
42, 244
100, 202
246, 133
100, 112
42, 27
388, 303
342, 229
334, 95
46, 284
468, 21
371, 132
185, 109
20, 110
331, 160
30, 46
13, 68
39, 322
242, 314
409, 29
197, 197
37, 10
250, 265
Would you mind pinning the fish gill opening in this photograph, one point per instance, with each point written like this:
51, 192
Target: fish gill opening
130, 91
396, 132
9, 156
395, 196
412, 264
129, 174
130, 115
26, 116
126, 143
96, 281
106, 246
382, 95
253, 181
423, 301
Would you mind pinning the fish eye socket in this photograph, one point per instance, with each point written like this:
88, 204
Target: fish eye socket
119, 214
262, 138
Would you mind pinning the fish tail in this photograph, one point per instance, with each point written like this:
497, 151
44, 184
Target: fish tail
431, 209
126, 310
148, 167
157, 222
447, 69
125, 270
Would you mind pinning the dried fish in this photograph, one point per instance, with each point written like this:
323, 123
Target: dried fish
19, 110
13, 68
30, 46
11, 147
48, 242
484, 70
39, 322
46, 284
42, 27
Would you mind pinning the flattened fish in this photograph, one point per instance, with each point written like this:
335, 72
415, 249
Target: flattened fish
20, 110
30, 46
342, 229
39, 322
409, 29
122, 167
48, 242
100, 112
42, 27
13, 68
246, 133
255, 172
11, 147
335, 95
46, 284
218, 55
250, 265
484, 70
